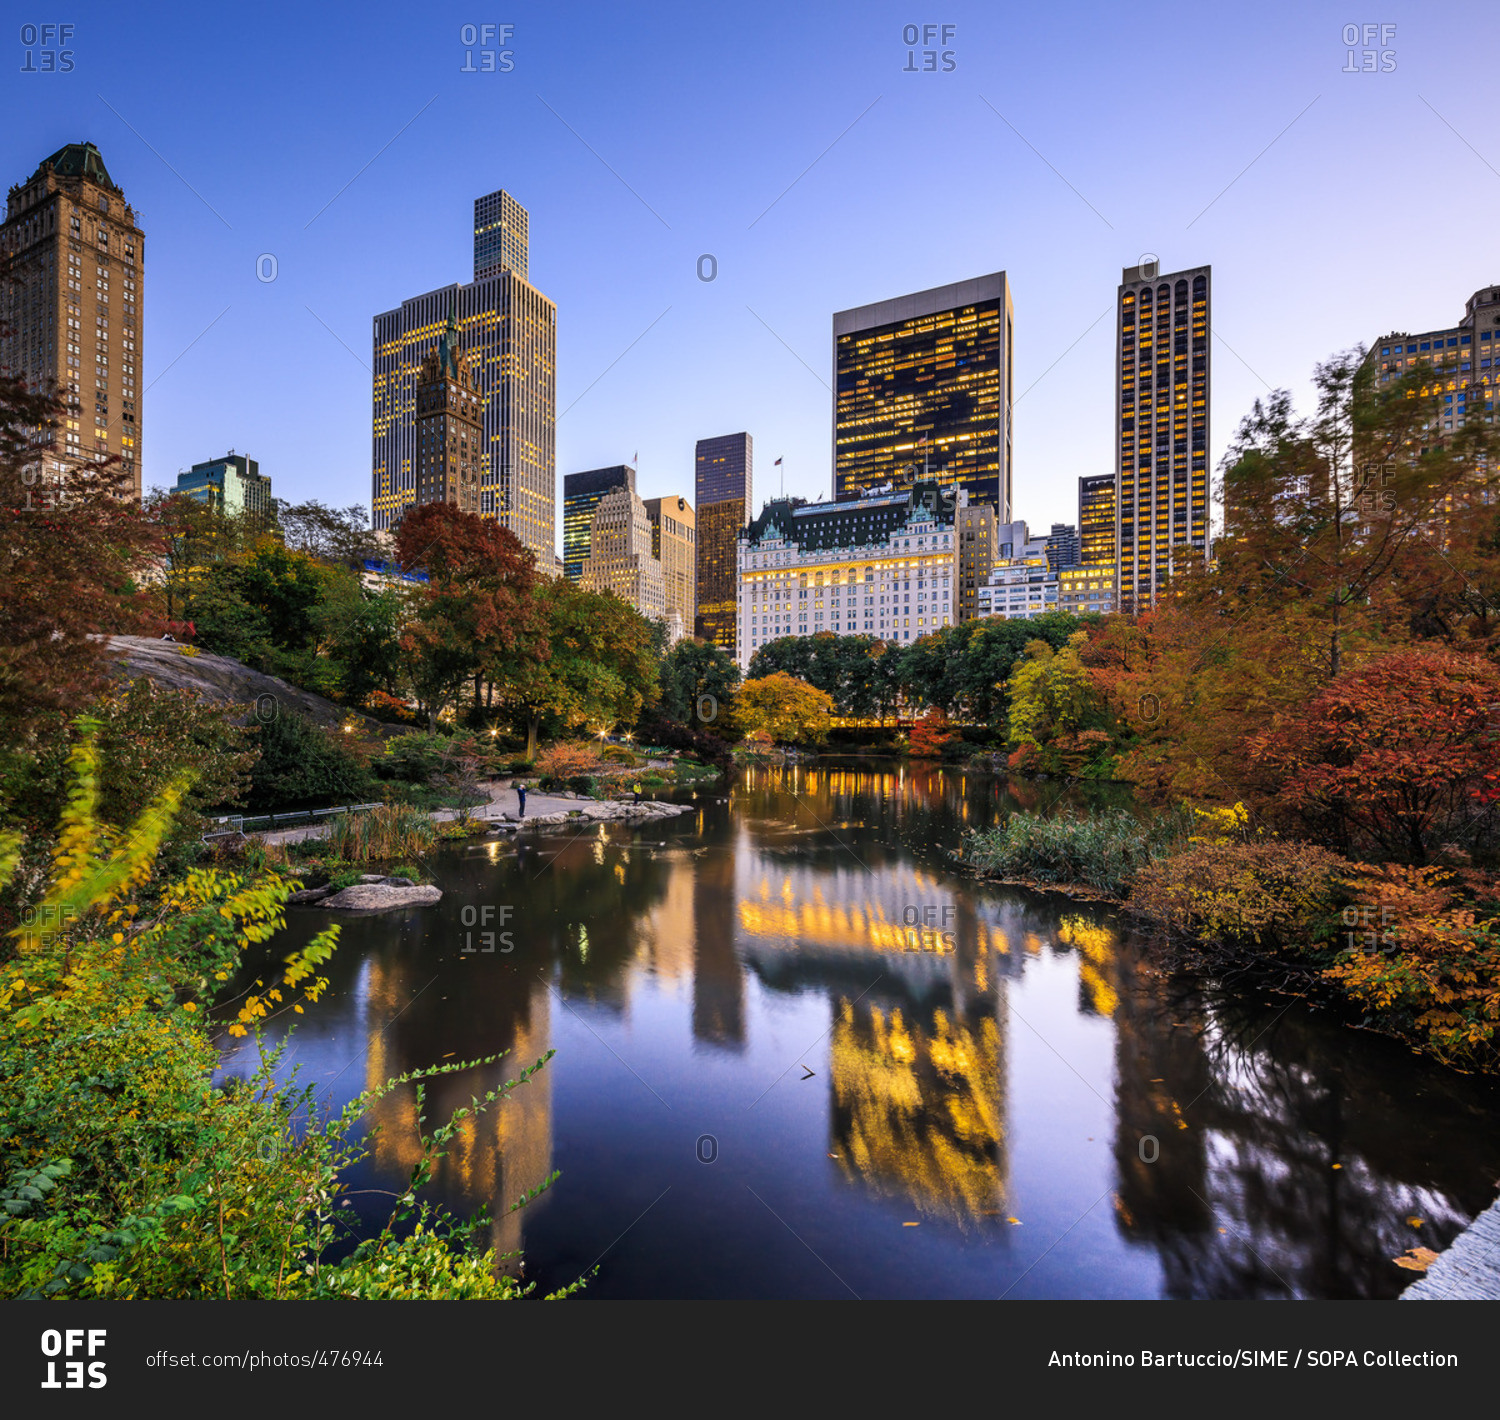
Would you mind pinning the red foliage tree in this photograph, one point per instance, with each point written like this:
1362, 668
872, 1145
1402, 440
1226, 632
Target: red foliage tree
929, 735
1399, 755
476, 614
70, 548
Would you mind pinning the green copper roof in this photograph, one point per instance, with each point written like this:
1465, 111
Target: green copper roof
80, 160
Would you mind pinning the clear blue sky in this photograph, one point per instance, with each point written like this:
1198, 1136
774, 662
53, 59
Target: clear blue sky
1065, 142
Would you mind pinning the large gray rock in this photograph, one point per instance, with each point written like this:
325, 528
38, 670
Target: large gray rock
223, 680
380, 897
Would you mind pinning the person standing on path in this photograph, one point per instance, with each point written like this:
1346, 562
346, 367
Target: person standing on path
637, 787
521, 798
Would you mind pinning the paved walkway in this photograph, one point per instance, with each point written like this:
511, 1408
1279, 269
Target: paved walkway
1469, 1271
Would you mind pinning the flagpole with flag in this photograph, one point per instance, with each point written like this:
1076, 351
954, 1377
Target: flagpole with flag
779, 465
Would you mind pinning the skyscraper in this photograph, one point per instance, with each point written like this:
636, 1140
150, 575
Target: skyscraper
923, 389
502, 236
72, 310
724, 486
509, 330
449, 429
1161, 447
1096, 518
674, 543
581, 495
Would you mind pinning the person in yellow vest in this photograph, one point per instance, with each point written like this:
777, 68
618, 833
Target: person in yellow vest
637, 787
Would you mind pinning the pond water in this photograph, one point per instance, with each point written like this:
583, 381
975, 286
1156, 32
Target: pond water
798, 1055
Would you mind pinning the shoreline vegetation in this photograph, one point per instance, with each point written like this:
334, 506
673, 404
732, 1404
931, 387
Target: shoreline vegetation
1411, 952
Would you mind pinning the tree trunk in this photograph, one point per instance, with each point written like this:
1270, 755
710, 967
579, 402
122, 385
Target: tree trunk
533, 726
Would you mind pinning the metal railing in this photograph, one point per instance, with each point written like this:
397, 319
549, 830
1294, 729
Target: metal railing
232, 825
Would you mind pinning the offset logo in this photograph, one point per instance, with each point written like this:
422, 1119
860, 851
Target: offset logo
68, 1374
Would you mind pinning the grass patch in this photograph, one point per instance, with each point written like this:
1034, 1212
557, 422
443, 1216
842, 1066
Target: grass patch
1102, 850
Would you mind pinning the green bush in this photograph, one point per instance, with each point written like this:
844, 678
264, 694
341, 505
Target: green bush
303, 766
1101, 850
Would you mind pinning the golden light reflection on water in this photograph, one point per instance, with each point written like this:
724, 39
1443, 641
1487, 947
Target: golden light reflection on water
918, 1110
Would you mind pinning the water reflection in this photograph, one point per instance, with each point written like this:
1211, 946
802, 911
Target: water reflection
983, 1063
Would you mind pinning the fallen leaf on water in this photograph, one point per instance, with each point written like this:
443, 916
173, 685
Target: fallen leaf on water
1414, 1222
1223, 1230
1338, 1166
911, 1225
1016, 1221
1416, 1259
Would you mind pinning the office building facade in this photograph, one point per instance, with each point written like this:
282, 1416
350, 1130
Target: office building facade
509, 331
1096, 519
1162, 380
674, 543
923, 389
724, 469
882, 566
71, 311
976, 556
619, 558
233, 484
582, 494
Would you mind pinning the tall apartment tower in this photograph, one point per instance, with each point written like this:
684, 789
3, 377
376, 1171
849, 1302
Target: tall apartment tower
450, 427
71, 310
509, 331
923, 389
1096, 519
724, 485
582, 493
1161, 444
674, 543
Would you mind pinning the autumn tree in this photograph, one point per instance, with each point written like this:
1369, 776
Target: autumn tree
71, 551
930, 735
476, 618
1398, 756
789, 710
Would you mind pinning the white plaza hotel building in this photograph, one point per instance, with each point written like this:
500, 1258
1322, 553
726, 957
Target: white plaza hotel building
882, 565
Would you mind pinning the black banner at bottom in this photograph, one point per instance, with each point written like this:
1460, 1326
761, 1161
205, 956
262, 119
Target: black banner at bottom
114, 1358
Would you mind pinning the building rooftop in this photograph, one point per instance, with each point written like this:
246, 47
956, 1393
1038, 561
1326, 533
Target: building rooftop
78, 160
